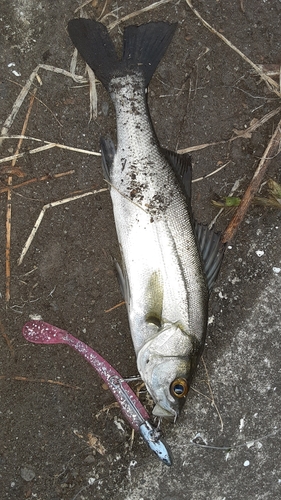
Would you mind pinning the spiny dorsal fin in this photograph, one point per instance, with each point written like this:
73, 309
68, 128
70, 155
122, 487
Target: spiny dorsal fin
182, 166
209, 243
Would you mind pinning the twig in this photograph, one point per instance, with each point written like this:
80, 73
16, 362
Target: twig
37, 179
42, 213
9, 205
84, 488
211, 393
211, 173
232, 191
103, 10
235, 446
7, 340
137, 13
115, 307
200, 393
8, 240
25, 90
39, 100
8, 169
48, 145
273, 86
270, 152
107, 408
240, 134
93, 93
83, 5
40, 381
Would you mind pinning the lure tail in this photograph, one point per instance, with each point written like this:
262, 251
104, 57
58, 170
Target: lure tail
144, 47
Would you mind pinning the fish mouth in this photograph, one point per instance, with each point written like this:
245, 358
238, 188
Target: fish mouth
159, 411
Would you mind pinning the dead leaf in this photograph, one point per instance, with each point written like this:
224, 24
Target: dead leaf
12, 171
243, 133
95, 443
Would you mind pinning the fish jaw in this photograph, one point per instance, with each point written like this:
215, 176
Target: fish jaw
169, 356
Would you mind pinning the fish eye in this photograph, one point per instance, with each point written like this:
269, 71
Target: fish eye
179, 388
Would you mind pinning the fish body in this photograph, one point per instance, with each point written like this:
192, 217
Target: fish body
168, 261
166, 296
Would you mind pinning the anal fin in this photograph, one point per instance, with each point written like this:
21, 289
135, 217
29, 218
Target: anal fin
211, 250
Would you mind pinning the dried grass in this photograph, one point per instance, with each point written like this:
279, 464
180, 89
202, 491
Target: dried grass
272, 85
153, 6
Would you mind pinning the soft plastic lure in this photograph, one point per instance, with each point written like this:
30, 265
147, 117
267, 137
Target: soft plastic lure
40, 332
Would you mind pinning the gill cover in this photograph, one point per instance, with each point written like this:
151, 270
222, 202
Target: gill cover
164, 364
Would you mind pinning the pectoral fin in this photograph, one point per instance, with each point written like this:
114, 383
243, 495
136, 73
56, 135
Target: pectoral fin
154, 299
123, 282
107, 153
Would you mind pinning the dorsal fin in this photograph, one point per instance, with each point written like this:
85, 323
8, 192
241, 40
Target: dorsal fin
182, 166
209, 241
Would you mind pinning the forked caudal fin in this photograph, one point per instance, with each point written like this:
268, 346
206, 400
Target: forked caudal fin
144, 47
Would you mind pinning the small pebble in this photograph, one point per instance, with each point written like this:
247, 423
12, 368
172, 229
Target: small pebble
276, 270
90, 459
246, 463
104, 108
27, 474
260, 253
35, 317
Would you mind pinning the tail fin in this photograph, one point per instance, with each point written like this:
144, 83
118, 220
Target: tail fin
144, 46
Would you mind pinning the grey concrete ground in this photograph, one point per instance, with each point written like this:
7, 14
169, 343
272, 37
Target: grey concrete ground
60, 442
243, 461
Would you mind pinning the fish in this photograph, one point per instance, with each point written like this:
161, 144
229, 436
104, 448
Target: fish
169, 261
40, 332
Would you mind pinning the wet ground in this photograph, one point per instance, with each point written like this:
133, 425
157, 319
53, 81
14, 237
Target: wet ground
62, 442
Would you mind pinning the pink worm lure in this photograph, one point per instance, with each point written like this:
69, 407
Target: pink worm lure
40, 332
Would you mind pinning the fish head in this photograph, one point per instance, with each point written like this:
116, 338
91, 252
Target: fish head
166, 364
